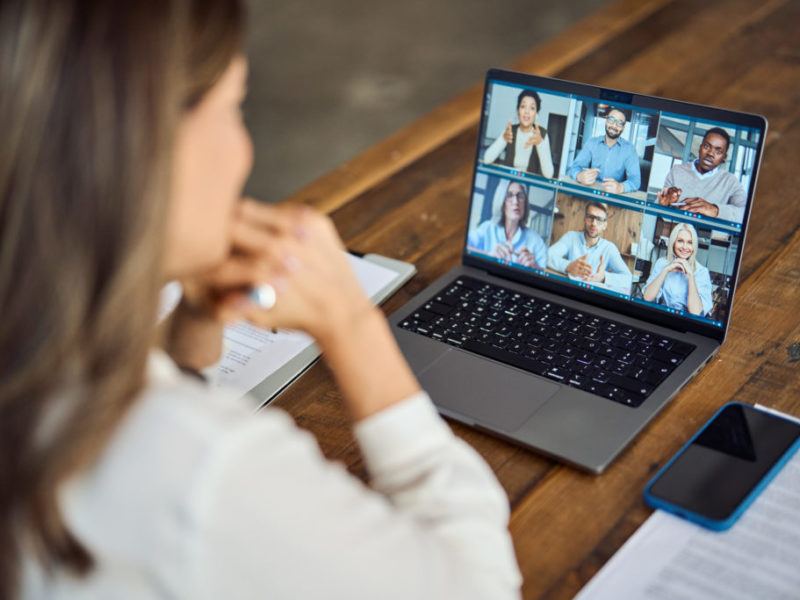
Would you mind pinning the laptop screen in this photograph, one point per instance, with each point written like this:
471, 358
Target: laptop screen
619, 196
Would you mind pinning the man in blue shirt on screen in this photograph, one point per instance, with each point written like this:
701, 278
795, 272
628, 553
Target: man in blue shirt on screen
586, 256
609, 159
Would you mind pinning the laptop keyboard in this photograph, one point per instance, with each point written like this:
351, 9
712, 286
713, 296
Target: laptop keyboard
591, 353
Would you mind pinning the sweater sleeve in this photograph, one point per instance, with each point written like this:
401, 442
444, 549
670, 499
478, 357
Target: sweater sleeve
545, 157
733, 210
432, 524
494, 151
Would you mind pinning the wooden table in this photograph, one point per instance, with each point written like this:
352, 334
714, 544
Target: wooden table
407, 197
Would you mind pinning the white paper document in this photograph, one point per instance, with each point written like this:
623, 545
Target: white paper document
669, 558
251, 353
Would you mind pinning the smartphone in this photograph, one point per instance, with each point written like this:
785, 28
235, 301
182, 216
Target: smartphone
723, 468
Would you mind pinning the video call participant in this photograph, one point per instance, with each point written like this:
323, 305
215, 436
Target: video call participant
679, 281
587, 256
510, 238
702, 186
526, 145
609, 159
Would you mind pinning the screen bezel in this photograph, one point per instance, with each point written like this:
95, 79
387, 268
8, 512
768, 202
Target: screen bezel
591, 92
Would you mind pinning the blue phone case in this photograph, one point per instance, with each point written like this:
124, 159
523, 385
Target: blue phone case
658, 503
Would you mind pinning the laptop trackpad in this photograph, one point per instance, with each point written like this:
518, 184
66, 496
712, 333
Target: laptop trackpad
489, 393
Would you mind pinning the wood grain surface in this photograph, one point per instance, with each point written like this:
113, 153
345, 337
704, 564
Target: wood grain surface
407, 198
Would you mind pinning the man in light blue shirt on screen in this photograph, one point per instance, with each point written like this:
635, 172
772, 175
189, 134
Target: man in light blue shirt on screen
609, 159
586, 256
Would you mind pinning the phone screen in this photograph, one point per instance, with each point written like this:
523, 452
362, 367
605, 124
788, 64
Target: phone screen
712, 476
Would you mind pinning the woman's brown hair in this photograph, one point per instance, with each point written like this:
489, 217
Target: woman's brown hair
92, 93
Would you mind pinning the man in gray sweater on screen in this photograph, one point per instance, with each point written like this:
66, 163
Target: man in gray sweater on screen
703, 186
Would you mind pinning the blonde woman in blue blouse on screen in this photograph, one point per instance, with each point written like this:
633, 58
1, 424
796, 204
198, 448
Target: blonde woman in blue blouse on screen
679, 281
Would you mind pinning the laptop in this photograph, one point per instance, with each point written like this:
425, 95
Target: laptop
604, 236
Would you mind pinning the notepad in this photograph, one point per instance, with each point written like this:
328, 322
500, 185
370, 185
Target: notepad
669, 557
260, 363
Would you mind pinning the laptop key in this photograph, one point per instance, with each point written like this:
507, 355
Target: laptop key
487, 324
469, 282
682, 348
607, 351
595, 387
632, 385
579, 381
570, 351
563, 362
439, 308
632, 400
445, 299
620, 368
591, 345
663, 343
553, 347
657, 373
626, 357
624, 343
604, 363
500, 342
423, 315
516, 360
533, 352
624, 396
580, 368
541, 329
557, 373
667, 357
516, 347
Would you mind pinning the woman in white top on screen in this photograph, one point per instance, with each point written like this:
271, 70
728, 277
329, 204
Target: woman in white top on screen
526, 145
679, 281
121, 476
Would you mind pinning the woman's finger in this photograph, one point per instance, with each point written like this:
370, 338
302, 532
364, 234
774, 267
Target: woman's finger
241, 271
249, 238
283, 218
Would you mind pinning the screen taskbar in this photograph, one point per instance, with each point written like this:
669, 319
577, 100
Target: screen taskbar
618, 199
